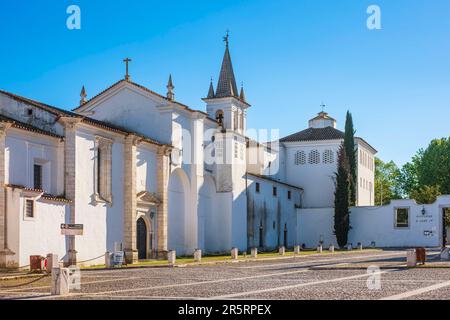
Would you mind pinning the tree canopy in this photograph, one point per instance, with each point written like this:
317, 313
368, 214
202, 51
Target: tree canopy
424, 178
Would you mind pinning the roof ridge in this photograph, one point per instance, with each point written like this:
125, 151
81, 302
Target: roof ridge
47, 107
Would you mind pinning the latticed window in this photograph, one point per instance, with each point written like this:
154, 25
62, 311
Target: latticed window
314, 157
300, 158
328, 156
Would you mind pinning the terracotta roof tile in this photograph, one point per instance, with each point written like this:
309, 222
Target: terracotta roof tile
28, 127
64, 113
315, 134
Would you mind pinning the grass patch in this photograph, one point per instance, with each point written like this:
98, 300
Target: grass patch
225, 258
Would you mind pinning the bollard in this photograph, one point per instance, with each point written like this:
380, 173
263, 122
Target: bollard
108, 260
445, 254
52, 262
172, 256
234, 254
411, 258
282, 250
60, 281
360, 246
198, 255
331, 248
297, 249
319, 248
254, 252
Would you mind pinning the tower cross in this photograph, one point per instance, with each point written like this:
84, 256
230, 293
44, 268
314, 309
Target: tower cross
323, 105
127, 61
226, 38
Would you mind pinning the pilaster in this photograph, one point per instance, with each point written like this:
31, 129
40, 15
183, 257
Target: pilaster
70, 126
130, 200
163, 171
4, 250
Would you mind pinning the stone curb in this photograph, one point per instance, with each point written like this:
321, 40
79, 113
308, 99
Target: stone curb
242, 260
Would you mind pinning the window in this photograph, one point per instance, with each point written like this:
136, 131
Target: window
401, 217
37, 176
328, 156
314, 157
236, 148
29, 208
29, 112
103, 170
289, 195
257, 187
274, 191
300, 158
235, 120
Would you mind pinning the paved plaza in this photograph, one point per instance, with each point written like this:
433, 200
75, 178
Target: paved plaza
341, 276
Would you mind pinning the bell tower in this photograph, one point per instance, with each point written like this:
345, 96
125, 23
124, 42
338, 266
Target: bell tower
226, 104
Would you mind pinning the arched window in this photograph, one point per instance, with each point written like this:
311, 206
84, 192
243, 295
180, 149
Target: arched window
314, 157
328, 156
300, 158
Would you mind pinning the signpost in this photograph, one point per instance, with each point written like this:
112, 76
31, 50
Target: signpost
68, 229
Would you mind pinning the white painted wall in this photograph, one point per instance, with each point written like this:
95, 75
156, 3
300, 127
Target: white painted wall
23, 150
316, 179
274, 212
103, 223
39, 235
365, 176
376, 224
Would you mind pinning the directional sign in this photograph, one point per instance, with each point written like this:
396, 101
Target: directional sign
68, 229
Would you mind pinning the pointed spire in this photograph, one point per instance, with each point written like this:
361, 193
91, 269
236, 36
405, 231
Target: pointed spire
83, 96
242, 94
170, 87
226, 86
211, 94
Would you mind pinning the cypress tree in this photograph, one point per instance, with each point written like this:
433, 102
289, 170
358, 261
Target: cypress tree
342, 199
349, 145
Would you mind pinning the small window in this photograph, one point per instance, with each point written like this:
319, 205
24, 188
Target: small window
30, 112
29, 208
37, 177
328, 156
402, 217
274, 191
314, 157
289, 195
300, 158
257, 187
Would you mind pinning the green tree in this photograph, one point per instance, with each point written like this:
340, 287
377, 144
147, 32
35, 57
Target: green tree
434, 167
350, 151
427, 175
342, 199
425, 194
387, 186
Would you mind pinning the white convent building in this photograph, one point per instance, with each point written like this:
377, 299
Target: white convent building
134, 168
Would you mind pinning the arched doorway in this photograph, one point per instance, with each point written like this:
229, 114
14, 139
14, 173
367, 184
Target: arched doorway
141, 241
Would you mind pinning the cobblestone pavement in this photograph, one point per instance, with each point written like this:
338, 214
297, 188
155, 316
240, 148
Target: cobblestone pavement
335, 276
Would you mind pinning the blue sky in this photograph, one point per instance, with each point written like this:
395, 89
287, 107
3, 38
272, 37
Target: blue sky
291, 56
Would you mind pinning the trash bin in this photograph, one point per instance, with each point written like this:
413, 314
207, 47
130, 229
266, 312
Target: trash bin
36, 263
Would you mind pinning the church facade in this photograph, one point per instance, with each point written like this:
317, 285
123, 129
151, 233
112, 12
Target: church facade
141, 172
